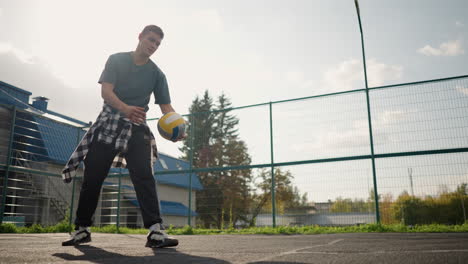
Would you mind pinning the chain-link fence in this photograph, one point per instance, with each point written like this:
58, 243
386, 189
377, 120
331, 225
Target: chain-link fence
318, 148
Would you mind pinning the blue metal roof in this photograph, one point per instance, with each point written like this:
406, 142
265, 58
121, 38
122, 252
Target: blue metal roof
167, 208
27, 139
59, 139
10, 94
7, 85
37, 138
10, 97
179, 180
67, 118
44, 139
182, 179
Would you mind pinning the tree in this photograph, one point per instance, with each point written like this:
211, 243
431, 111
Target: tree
225, 196
385, 206
348, 205
371, 200
201, 121
410, 210
462, 189
230, 151
287, 196
445, 208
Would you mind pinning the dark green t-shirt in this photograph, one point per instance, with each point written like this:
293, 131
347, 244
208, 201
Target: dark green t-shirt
134, 84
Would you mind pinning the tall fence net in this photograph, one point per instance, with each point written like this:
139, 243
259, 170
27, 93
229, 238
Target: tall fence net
318, 150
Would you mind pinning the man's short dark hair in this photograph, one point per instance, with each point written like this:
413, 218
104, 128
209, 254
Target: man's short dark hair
154, 29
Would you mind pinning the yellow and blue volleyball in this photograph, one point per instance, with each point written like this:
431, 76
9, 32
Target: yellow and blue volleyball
171, 126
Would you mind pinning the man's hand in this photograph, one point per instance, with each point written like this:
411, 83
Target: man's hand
135, 114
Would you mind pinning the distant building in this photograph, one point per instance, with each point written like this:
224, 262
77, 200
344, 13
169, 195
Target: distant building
323, 207
42, 143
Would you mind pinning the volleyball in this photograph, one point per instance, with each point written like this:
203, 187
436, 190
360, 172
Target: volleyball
171, 126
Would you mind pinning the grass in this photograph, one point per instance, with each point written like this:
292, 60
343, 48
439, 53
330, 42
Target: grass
288, 230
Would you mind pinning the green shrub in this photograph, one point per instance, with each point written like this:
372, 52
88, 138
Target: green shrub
8, 228
447, 208
285, 230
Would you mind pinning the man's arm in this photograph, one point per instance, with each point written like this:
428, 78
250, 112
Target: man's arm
166, 108
134, 113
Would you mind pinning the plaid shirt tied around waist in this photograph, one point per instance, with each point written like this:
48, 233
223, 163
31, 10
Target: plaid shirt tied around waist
108, 123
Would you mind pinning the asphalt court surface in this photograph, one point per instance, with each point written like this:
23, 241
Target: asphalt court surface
332, 248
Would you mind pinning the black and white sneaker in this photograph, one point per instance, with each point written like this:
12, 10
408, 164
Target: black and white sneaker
80, 236
157, 238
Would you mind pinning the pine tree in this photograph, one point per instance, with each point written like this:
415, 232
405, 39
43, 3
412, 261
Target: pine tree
216, 143
231, 151
201, 121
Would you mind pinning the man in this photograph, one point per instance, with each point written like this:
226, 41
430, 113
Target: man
120, 134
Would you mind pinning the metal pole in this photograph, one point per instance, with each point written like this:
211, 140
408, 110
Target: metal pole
74, 183
72, 202
7, 170
192, 136
376, 195
118, 201
273, 199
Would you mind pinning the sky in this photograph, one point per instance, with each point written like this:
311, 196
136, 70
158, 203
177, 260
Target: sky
252, 51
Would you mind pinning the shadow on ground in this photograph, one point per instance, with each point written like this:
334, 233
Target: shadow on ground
166, 255
275, 262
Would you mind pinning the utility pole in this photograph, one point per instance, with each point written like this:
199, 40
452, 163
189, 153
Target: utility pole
410, 174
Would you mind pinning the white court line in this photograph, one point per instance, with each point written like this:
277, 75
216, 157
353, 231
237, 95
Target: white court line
295, 251
384, 252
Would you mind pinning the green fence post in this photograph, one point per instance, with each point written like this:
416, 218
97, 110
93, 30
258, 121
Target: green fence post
376, 194
7, 170
273, 199
72, 202
192, 136
118, 201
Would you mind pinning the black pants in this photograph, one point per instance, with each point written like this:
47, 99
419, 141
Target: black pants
97, 164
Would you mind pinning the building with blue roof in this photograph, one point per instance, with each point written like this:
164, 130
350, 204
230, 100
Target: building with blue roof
43, 142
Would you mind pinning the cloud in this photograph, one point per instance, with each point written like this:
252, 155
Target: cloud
378, 73
357, 135
23, 56
449, 48
334, 134
459, 24
346, 75
25, 72
462, 89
